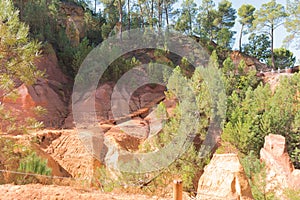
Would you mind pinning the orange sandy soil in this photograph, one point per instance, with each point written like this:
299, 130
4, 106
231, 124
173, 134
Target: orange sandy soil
53, 192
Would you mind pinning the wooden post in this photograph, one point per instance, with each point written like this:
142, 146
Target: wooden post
177, 189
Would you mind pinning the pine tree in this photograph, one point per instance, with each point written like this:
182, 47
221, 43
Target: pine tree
267, 19
34, 164
292, 24
225, 20
205, 20
246, 15
258, 46
186, 19
17, 54
283, 58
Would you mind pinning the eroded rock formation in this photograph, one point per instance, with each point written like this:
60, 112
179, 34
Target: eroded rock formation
281, 173
69, 151
224, 178
51, 93
251, 62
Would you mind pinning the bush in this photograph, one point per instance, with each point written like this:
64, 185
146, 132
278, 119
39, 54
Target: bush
283, 58
256, 174
292, 194
260, 113
80, 53
34, 164
11, 153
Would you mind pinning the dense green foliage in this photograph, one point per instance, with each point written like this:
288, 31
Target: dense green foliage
267, 19
256, 174
262, 112
187, 15
34, 164
212, 23
46, 22
283, 58
17, 54
17, 51
292, 24
215, 24
258, 47
246, 15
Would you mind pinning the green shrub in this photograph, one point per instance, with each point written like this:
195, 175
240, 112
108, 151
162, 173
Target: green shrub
256, 174
80, 53
292, 194
34, 164
259, 112
11, 153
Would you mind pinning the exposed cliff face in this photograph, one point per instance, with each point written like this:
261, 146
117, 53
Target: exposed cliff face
224, 178
273, 79
52, 93
251, 62
281, 173
105, 101
68, 150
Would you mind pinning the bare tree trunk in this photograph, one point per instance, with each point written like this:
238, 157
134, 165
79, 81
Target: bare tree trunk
167, 14
95, 6
272, 47
21, 10
128, 11
190, 22
152, 12
240, 40
141, 14
120, 18
160, 13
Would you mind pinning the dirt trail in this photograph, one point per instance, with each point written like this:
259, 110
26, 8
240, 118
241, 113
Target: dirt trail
51, 192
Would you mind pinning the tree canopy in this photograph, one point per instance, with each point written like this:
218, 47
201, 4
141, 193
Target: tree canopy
17, 54
17, 51
292, 23
283, 58
269, 17
246, 15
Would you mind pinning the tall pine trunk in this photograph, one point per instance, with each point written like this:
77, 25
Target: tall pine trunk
128, 11
120, 19
152, 12
160, 13
272, 47
240, 40
141, 13
167, 14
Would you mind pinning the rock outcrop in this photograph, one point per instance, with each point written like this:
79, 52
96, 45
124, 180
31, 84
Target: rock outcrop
251, 62
110, 107
50, 93
273, 79
224, 178
68, 150
281, 173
